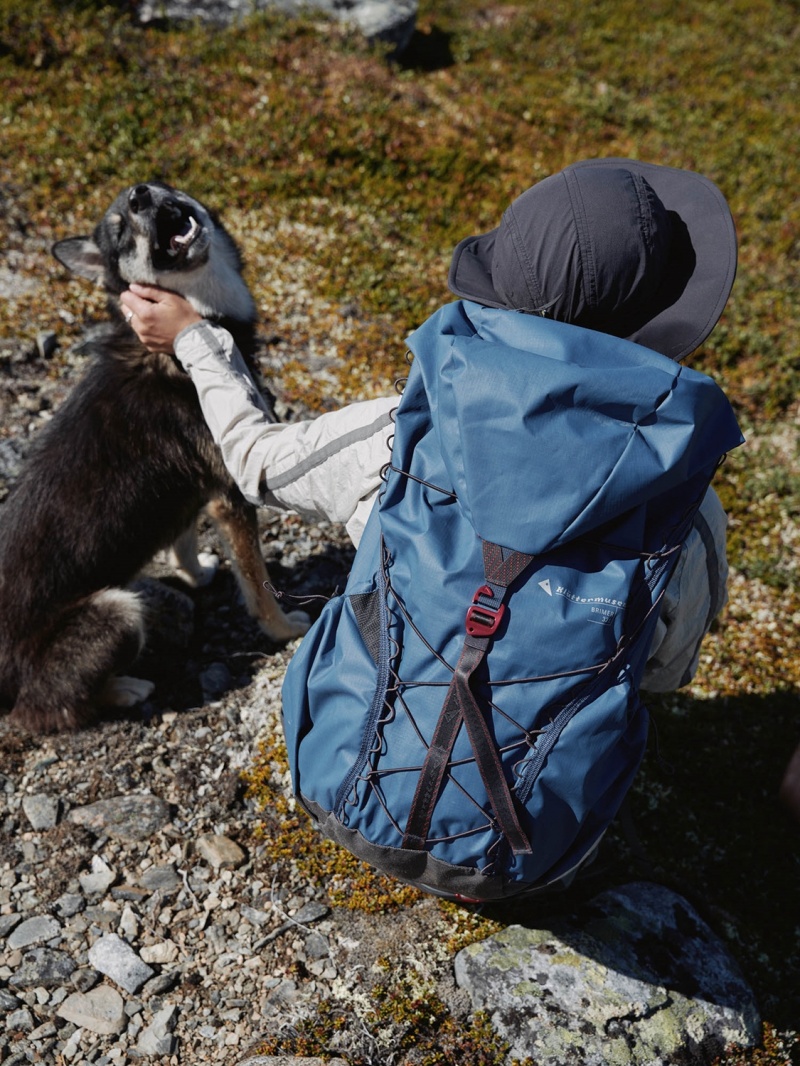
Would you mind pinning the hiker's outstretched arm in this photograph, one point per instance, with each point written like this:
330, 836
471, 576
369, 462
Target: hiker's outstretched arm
328, 467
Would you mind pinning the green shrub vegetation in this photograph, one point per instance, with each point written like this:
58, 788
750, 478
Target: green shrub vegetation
348, 177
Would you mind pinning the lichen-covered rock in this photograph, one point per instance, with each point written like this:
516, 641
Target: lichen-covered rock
633, 977
132, 818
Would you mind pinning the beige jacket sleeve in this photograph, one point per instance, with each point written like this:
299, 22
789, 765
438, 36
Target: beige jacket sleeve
330, 467
325, 468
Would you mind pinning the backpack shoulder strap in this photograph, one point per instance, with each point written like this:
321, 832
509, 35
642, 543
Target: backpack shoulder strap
501, 567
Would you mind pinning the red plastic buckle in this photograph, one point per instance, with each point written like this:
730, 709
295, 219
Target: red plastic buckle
483, 621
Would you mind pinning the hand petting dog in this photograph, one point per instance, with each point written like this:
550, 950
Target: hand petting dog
157, 316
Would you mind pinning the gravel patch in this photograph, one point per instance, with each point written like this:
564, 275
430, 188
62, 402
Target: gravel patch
139, 917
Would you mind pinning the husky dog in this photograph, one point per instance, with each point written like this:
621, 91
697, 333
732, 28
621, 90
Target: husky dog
121, 471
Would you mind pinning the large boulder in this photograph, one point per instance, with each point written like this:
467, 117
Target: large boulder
392, 21
635, 976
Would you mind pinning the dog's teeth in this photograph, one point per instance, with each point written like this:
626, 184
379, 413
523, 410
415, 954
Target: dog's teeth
186, 238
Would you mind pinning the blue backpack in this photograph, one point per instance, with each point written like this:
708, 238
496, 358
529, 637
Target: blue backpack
465, 716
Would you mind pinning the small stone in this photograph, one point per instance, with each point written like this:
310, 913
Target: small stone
21, 1020
32, 853
106, 919
129, 818
215, 680
12, 454
72, 1046
70, 904
41, 810
219, 851
160, 984
43, 967
9, 922
117, 960
310, 912
164, 952
160, 878
98, 882
43, 1031
129, 924
84, 979
283, 994
46, 343
157, 1038
34, 931
48, 759
130, 893
100, 1010
317, 947
7, 1001
253, 916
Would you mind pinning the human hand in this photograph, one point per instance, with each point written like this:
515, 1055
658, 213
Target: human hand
157, 316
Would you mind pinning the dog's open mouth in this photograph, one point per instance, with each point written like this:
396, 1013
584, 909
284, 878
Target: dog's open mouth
176, 229
180, 241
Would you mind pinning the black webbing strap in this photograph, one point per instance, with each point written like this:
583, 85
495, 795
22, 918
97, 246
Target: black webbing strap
501, 567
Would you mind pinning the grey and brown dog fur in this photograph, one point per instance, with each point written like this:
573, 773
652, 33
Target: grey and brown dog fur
120, 472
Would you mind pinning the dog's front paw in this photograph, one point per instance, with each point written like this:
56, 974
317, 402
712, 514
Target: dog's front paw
300, 620
125, 692
201, 572
288, 627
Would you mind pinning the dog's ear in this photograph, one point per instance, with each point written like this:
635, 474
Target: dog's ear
82, 256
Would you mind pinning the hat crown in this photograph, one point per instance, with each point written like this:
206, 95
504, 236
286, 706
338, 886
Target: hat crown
638, 250
587, 246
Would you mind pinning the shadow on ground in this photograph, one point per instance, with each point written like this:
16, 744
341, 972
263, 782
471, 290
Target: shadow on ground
705, 821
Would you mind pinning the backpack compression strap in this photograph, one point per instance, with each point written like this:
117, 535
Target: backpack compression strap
501, 567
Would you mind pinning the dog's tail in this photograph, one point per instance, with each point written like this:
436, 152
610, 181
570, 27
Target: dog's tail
65, 668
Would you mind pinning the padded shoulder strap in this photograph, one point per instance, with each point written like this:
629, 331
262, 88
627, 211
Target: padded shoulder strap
501, 567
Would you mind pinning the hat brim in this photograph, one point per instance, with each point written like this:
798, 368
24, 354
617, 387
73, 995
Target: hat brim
698, 277
470, 270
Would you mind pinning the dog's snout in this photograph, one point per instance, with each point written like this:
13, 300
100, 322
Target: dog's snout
140, 198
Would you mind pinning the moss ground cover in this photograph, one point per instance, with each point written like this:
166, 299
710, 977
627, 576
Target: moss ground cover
348, 179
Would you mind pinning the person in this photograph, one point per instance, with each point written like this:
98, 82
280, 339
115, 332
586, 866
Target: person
637, 250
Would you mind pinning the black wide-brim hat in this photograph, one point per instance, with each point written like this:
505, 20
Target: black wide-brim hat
638, 250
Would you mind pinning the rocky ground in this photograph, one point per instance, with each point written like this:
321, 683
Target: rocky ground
140, 916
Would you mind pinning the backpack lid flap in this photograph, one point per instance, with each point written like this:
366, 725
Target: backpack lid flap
548, 430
